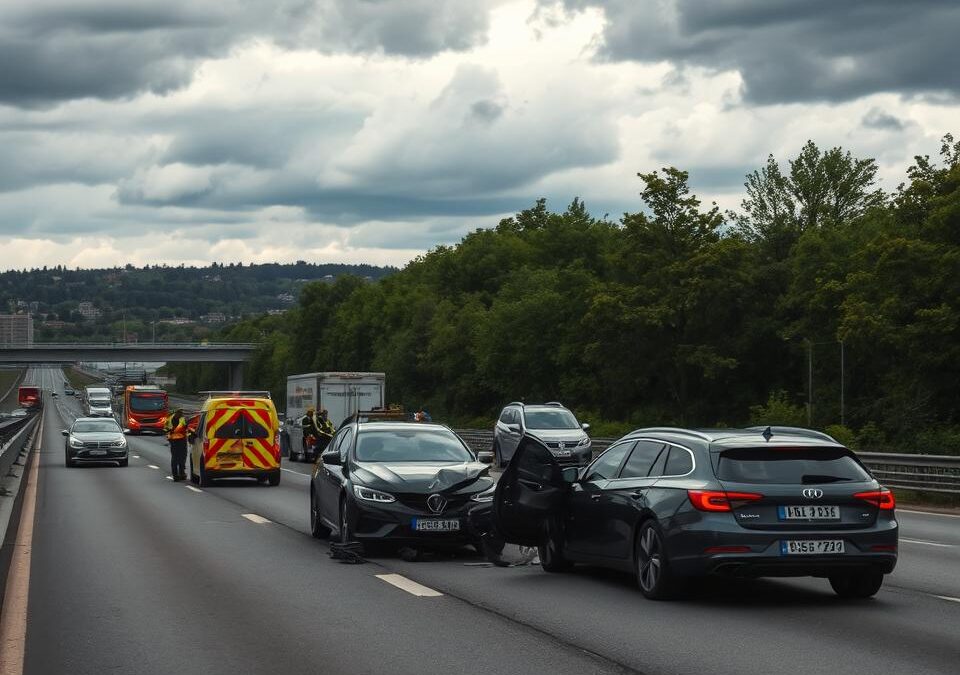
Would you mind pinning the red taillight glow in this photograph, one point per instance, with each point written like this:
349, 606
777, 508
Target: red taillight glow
728, 549
719, 500
884, 548
882, 499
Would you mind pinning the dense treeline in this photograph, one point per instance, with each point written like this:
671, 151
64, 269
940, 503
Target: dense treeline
676, 314
135, 302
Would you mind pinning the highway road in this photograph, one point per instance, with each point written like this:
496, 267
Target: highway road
132, 573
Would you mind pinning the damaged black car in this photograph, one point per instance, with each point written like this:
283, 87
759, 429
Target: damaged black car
395, 482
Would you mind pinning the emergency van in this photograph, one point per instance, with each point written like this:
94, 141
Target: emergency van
235, 435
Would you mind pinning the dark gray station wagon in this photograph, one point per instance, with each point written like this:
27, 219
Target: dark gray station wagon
669, 504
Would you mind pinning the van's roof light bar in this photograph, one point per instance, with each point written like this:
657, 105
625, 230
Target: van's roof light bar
237, 394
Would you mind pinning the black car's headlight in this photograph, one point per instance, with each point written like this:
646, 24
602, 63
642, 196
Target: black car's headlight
584, 441
485, 496
76, 443
368, 495
119, 444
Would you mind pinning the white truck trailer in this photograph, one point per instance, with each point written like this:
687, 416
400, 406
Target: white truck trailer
341, 394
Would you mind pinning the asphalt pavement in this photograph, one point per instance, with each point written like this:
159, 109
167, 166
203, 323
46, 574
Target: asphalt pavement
132, 573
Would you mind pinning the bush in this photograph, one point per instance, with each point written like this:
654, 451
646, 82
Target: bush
844, 435
871, 438
778, 411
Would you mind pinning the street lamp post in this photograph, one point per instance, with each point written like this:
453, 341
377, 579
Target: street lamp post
810, 345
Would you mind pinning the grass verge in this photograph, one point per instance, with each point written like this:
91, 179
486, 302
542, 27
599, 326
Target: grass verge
7, 379
79, 380
932, 499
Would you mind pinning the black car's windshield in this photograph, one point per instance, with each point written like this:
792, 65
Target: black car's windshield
550, 419
411, 445
96, 427
147, 403
798, 466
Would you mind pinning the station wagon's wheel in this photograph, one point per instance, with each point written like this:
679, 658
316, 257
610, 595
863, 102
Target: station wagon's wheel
857, 584
551, 550
653, 570
317, 528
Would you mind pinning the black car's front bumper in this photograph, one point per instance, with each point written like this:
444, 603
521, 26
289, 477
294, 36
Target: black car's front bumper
93, 456
394, 523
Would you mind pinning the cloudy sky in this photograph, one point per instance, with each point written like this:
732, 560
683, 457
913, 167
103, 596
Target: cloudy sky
373, 130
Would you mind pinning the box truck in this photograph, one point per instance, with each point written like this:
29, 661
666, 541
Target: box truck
341, 394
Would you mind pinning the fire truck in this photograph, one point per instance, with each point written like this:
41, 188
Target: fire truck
30, 396
145, 408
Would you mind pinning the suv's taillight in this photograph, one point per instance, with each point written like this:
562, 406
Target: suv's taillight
719, 500
882, 499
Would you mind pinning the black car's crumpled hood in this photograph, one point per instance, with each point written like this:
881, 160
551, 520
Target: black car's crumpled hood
423, 477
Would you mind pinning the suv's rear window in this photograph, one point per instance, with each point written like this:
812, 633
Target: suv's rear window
801, 466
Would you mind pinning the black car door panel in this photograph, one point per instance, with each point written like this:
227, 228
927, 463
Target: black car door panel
530, 490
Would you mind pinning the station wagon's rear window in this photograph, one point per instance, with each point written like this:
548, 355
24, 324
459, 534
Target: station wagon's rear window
800, 466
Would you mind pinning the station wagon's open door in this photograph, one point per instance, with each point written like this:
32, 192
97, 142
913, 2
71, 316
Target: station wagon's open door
530, 490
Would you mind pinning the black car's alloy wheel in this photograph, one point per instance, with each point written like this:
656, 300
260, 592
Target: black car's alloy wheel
653, 573
857, 584
551, 550
317, 528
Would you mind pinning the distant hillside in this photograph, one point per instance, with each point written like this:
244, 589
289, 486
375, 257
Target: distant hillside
169, 303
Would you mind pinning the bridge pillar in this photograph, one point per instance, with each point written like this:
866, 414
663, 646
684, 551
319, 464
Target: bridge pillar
236, 376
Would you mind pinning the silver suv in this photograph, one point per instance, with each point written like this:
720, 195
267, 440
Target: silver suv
552, 423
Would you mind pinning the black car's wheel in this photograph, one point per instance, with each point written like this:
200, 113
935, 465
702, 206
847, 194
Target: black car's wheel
344, 525
552, 558
653, 569
124, 462
317, 528
857, 584
274, 478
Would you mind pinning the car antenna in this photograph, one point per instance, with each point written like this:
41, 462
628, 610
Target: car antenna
767, 434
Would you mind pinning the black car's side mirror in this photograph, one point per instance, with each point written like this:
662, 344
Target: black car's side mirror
585, 426
331, 457
571, 474
64, 432
485, 456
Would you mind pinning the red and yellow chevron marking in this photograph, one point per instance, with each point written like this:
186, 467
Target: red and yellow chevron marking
258, 455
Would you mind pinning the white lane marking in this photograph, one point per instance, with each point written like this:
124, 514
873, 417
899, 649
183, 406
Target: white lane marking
929, 513
947, 598
411, 587
926, 543
169, 477
305, 475
136, 456
254, 518
152, 466
192, 489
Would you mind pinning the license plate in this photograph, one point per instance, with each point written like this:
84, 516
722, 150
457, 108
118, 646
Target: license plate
229, 456
560, 453
811, 547
97, 453
808, 512
436, 525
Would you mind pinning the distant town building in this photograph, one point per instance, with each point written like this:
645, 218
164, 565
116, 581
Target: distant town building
177, 321
54, 324
214, 317
16, 329
88, 311
276, 312
287, 298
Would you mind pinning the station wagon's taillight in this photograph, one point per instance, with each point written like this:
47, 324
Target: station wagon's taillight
882, 499
719, 500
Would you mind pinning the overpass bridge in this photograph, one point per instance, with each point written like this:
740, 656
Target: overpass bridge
232, 353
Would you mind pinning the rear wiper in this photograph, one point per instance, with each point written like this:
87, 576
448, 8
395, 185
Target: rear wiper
810, 479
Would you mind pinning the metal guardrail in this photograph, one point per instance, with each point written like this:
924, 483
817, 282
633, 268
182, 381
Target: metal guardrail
10, 447
923, 473
11, 427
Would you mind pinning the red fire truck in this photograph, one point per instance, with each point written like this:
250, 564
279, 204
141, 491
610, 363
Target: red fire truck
30, 396
145, 408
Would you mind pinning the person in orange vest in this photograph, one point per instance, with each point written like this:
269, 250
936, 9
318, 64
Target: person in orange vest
176, 428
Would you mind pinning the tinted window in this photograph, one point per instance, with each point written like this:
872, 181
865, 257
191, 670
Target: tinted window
411, 445
805, 466
642, 459
147, 403
679, 463
241, 427
96, 427
550, 419
607, 464
344, 446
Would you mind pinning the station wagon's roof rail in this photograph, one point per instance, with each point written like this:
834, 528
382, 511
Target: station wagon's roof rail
237, 394
520, 403
554, 403
795, 431
674, 430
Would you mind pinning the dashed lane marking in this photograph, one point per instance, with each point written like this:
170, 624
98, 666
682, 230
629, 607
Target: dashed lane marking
169, 477
947, 598
926, 543
929, 513
408, 585
152, 466
297, 473
254, 518
192, 489
136, 456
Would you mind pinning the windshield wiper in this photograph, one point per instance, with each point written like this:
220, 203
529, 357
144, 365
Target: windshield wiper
809, 479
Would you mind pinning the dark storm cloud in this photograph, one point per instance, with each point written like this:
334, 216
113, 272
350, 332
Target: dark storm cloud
58, 50
878, 119
794, 50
